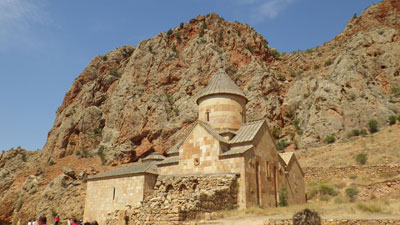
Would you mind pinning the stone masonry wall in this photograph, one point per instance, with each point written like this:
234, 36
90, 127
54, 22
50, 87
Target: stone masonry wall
178, 198
104, 196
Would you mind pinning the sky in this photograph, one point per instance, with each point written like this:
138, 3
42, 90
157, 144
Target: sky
46, 44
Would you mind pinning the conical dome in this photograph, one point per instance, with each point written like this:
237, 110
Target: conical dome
221, 83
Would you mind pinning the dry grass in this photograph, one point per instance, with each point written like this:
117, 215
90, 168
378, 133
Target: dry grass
382, 149
341, 208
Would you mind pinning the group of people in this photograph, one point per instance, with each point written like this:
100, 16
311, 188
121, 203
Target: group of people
43, 221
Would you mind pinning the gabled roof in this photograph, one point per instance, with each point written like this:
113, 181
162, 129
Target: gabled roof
247, 132
212, 131
286, 157
175, 148
221, 83
237, 151
137, 168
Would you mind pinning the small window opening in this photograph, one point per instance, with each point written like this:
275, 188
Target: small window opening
208, 116
113, 193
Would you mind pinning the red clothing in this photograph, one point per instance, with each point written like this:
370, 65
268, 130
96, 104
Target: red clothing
57, 219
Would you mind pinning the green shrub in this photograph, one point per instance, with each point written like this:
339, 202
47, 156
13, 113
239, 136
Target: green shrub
181, 25
361, 158
283, 195
296, 123
281, 77
354, 132
151, 49
392, 119
276, 132
249, 48
98, 131
173, 47
204, 26
396, 91
78, 153
282, 144
373, 126
239, 33
290, 114
351, 193
52, 162
309, 51
100, 153
85, 153
114, 72
169, 32
105, 58
23, 156
320, 189
354, 15
316, 67
328, 62
330, 139
363, 132
275, 54
327, 190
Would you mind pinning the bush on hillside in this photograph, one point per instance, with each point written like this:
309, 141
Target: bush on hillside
392, 119
361, 158
373, 126
351, 192
330, 139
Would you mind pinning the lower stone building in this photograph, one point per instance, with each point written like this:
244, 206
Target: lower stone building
224, 162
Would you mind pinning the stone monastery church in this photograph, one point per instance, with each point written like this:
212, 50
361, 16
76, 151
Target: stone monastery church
222, 150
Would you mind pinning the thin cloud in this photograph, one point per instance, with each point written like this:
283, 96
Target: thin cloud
265, 9
17, 18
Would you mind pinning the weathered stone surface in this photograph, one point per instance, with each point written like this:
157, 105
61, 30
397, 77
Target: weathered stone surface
180, 198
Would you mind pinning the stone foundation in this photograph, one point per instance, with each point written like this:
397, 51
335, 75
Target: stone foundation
179, 198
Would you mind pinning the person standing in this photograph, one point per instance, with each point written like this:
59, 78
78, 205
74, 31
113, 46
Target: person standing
30, 222
57, 220
42, 220
74, 221
69, 221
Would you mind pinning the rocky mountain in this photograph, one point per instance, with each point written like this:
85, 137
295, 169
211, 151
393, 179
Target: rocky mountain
135, 100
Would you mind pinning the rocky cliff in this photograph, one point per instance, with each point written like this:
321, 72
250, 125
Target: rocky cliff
134, 100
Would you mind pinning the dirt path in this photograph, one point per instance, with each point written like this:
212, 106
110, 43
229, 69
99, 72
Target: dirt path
261, 220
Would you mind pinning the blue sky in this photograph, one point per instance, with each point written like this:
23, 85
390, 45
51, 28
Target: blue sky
45, 44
